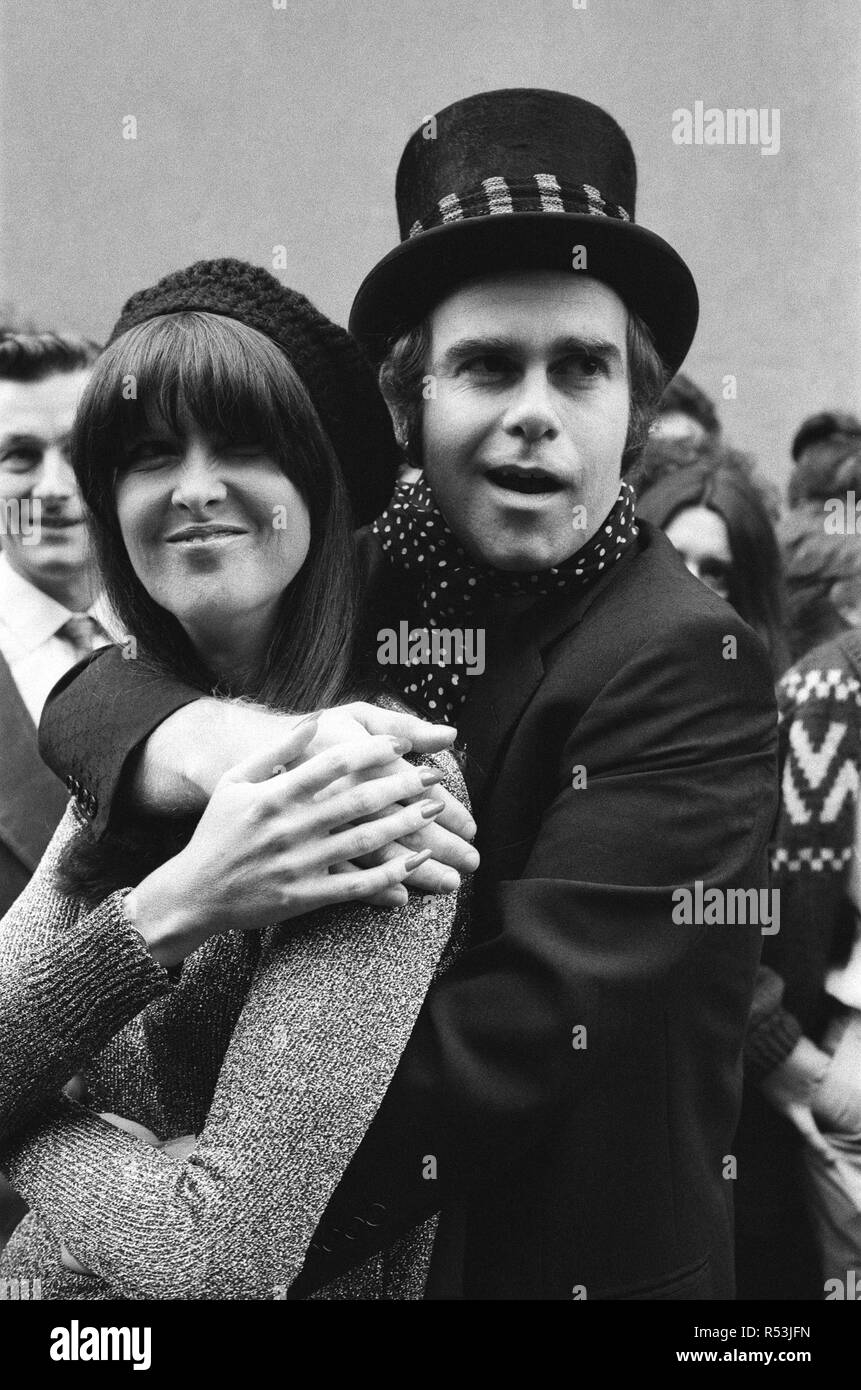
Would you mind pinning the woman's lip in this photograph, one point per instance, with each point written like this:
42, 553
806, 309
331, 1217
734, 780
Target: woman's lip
199, 537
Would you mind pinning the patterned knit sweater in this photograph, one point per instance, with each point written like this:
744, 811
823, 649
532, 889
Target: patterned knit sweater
819, 702
276, 1048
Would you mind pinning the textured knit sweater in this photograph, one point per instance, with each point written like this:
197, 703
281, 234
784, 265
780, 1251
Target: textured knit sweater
819, 702
275, 1048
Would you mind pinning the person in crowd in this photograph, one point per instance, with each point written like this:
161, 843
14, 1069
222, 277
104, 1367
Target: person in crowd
823, 579
826, 454
50, 608
798, 1193
662, 456
50, 613
572, 1083
220, 498
799, 1205
713, 513
686, 414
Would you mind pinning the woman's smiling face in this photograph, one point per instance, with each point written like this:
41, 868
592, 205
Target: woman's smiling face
215, 532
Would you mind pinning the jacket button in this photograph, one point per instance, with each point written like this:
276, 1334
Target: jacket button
374, 1215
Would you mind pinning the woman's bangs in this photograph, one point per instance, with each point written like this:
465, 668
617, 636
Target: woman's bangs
231, 380
195, 368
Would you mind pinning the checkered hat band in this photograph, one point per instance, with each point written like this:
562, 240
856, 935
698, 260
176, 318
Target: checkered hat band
540, 193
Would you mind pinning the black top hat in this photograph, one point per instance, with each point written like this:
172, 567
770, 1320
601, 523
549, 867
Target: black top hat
515, 179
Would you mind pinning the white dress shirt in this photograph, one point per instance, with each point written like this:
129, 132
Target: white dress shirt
30, 640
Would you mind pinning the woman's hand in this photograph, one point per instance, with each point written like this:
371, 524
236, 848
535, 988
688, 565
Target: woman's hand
267, 843
183, 759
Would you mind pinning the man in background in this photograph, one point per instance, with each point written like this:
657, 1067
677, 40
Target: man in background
50, 615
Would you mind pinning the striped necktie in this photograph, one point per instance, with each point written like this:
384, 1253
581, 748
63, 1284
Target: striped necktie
82, 633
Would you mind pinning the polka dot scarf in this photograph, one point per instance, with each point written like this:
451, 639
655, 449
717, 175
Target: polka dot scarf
453, 588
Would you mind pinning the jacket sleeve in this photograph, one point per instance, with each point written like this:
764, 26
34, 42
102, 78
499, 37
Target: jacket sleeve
95, 720
679, 751
69, 981
326, 1019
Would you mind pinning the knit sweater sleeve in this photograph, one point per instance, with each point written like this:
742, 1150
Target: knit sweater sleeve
772, 1031
819, 706
69, 981
334, 999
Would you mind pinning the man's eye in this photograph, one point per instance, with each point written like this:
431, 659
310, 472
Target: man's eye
583, 364
490, 364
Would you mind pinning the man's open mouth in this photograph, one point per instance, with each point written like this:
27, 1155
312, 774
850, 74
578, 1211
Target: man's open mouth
533, 480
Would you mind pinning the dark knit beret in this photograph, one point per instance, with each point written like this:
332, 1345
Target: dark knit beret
328, 361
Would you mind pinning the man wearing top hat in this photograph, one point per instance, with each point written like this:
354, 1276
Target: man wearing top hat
569, 1096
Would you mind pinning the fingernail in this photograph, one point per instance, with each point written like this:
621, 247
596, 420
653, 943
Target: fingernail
429, 776
309, 718
416, 859
401, 746
431, 809
472, 859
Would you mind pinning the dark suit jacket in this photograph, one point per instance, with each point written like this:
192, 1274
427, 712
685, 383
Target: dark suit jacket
598, 1169
31, 798
31, 804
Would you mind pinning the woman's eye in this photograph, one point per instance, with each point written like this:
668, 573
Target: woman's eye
716, 577
150, 456
243, 451
19, 462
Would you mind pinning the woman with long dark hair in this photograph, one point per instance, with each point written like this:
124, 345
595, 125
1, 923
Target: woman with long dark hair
219, 442
714, 514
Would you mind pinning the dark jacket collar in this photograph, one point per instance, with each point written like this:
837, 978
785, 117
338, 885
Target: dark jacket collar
516, 646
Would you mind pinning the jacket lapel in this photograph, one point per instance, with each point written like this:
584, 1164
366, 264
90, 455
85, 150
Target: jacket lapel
32, 799
515, 650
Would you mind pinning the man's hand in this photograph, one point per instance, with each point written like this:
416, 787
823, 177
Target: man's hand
185, 757
791, 1088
